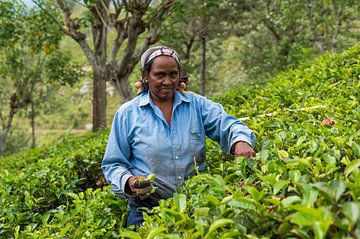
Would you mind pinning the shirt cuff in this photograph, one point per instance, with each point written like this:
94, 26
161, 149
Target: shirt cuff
123, 180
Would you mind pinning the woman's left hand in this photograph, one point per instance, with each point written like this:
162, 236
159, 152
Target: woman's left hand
244, 149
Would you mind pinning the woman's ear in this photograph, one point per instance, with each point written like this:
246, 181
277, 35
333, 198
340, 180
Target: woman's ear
145, 82
144, 76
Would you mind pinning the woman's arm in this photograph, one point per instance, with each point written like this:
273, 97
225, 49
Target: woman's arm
115, 163
227, 130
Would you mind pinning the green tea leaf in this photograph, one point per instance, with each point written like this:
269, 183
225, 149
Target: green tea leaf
355, 149
151, 177
202, 211
155, 231
290, 200
214, 200
352, 211
332, 191
217, 224
310, 196
302, 219
280, 185
295, 175
283, 154
180, 201
243, 203
354, 165
130, 234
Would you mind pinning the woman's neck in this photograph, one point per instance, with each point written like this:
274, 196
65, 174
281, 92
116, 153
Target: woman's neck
166, 107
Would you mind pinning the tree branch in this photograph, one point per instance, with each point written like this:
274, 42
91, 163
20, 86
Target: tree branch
50, 15
270, 25
73, 32
153, 29
105, 23
121, 36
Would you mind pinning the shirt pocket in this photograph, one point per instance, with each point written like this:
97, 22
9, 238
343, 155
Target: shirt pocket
197, 146
195, 136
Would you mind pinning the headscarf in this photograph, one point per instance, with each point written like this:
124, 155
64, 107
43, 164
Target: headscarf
156, 51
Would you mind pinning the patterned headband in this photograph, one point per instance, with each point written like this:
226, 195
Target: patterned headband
158, 51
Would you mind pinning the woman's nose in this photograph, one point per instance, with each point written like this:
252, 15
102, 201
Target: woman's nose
167, 80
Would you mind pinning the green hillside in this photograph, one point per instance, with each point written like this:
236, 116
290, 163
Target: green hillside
303, 183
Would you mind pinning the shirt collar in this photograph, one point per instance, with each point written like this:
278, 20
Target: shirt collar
145, 99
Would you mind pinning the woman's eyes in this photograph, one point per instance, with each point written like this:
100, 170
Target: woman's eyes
172, 75
159, 75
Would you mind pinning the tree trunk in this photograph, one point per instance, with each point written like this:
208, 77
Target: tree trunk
99, 102
99, 36
123, 87
3, 141
203, 35
32, 119
5, 129
203, 66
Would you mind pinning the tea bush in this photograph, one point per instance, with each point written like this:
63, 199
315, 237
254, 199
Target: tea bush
303, 183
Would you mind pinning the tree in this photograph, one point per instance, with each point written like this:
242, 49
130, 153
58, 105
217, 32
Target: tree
135, 25
30, 63
194, 25
285, 32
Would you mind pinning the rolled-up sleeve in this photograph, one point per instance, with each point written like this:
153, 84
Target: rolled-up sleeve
115, 163
224, 128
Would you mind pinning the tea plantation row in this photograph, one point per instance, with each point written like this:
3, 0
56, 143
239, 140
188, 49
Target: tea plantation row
303, 183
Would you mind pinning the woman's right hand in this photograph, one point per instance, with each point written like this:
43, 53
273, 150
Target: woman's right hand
139, 186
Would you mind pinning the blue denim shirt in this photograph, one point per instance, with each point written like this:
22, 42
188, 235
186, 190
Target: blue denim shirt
141, 141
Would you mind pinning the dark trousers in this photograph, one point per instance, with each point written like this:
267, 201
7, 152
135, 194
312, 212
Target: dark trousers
136, 213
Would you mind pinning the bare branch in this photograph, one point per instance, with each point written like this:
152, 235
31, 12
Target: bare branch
150, 39
79, 37
120, 27
101, 17
106, 8
122, 34
153, 29
126, 5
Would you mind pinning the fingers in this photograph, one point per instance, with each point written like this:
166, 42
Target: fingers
143, 191
142, 184
250, 153
244, 149
139, 186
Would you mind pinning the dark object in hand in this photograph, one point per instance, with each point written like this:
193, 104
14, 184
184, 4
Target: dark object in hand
142, 184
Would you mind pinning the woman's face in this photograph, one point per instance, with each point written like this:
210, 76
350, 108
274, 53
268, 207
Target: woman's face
163, 78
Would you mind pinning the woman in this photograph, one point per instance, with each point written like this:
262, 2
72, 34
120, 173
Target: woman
162, 131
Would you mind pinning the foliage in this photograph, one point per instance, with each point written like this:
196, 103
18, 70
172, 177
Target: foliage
303, 183
197, 30
31, 66
284, 33
34, 187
